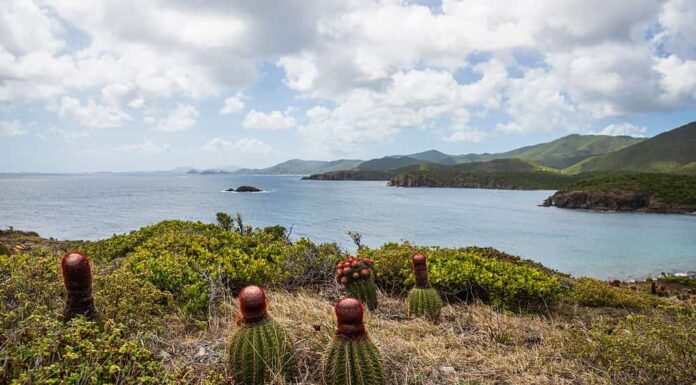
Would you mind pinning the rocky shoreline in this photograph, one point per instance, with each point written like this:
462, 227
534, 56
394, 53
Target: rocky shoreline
614, 201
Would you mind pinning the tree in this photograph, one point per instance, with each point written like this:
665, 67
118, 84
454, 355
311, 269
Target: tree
224, 220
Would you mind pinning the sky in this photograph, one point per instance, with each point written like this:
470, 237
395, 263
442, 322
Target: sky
131, 85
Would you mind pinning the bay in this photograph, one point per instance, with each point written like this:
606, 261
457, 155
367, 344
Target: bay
601, 245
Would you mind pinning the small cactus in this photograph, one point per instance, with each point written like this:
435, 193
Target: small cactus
261, 350
77, 278
423, 300
351, 358
356, 275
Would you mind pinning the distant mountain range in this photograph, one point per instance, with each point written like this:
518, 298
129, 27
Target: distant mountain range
303, 167
559, 153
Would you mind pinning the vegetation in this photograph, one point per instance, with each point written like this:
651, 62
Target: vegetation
357, 276
153, 329
668, 188
496, 278
351, 358
261, 350
671, 151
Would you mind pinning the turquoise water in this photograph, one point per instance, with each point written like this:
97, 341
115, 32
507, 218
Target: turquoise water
602, 245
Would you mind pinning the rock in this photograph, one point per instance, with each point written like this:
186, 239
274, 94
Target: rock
248, 189
448, 370
231, 189
201, 354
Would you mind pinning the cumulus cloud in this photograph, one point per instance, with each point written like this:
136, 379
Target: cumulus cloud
246, 146
274, 120
180, 118
233, 104
370, 69
622, 129
92, 114
11, 128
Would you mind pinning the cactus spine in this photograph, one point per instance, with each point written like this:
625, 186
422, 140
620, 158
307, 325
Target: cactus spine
423, 300
351, 358
355, 274
77, 278
261, 350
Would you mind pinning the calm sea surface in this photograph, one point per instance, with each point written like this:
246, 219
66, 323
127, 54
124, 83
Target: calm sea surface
602, 245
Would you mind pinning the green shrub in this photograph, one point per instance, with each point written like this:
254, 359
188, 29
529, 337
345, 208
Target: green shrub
29, 283
308, 263
595, 293
641, 349
684, 281
473, 273
186, 258
43, 350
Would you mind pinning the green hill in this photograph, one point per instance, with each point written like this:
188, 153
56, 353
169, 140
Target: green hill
672, 151
571, 149
303, 167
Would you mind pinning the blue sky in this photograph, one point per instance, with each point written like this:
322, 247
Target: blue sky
127, 86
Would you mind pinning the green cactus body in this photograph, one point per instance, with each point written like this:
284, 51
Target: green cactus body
356, 275
356, 362
261, 350
365, 291
423, 300
351, 358
424, 303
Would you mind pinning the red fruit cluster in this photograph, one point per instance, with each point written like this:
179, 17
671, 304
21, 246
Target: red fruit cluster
353, 269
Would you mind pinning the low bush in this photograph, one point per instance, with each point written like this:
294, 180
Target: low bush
472, 273
640, 349
43, 350
595, 293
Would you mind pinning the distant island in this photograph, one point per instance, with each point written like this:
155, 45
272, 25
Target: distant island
211, 171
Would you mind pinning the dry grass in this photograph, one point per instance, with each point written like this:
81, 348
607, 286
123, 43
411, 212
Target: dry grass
473, 344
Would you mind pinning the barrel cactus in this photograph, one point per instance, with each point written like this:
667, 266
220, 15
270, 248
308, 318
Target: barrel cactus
77, 278
261, 350
351, 358
423, 300
356, 275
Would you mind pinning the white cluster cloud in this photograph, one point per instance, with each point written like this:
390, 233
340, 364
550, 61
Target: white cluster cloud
92, 114
11, 128
622, 129
233, 104
246, 146
274, 120
370, 68
181, 118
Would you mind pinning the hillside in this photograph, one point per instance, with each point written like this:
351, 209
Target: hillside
165, 319
559, 153
303, 167
672, 151
571, 149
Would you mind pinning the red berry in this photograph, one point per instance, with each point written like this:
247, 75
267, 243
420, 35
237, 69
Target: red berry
346, 270
355, 264
365, 272
344, 280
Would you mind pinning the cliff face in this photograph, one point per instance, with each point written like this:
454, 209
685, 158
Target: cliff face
613, 201
349, 175
461, 181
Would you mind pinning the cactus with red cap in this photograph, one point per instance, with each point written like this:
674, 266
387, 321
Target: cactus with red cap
261, 350
77, 278
423, 300
351, 358
356, 275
